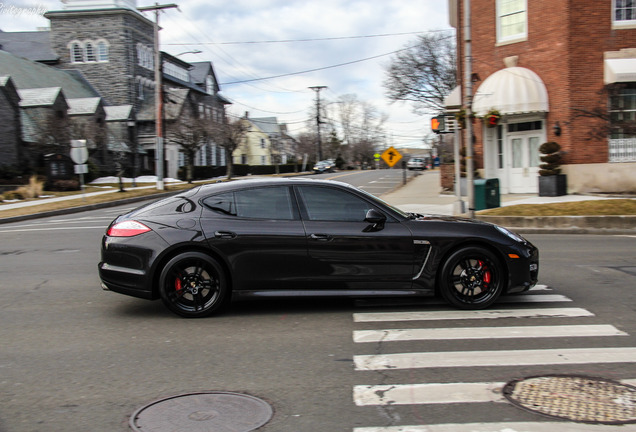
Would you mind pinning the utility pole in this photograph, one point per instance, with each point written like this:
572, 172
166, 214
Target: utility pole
468, 101
158, 93
318, 122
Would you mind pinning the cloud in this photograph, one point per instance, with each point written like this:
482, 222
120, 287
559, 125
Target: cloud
316, 35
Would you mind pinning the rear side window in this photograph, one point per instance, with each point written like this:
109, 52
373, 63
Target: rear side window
257, 203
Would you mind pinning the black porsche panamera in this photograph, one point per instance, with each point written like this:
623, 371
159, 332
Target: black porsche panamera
302, 237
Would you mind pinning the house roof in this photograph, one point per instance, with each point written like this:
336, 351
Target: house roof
118, 112
33, 45
81, 106
8, 88
39, 97
27, 74
268, 125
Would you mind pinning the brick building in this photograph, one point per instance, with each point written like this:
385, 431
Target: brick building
556, 71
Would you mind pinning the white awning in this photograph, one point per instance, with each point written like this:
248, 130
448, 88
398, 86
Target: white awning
513, 90
454, 99
620, 70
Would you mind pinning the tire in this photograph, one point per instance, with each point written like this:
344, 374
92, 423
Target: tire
193, 285
471, 278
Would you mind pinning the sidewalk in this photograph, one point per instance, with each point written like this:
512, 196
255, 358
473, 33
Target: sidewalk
422, 195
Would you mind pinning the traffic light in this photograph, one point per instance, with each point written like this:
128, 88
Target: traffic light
438, 124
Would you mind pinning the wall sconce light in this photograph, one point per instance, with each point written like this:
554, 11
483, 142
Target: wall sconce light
557, 129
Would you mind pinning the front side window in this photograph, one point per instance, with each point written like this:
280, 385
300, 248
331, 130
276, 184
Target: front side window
326, 204
512, 20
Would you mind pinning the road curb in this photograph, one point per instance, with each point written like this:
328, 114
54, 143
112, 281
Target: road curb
624, 224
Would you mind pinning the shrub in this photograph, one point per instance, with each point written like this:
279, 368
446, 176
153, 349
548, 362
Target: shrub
64, 185
13, 195
551, 159
33, 190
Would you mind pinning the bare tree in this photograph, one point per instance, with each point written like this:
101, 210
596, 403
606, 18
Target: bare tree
230, 134
423, 74
190, 133
362, 127
610, 113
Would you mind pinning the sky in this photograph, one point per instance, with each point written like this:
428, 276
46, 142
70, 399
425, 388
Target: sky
268, 53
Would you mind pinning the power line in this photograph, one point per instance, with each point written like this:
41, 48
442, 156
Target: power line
306, 40
317, 69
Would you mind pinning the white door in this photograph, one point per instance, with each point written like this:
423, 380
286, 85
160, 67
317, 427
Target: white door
523, 162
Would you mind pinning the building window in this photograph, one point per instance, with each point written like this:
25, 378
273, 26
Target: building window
624, 11
89, 49
623, 111
512, 20
262, 143
263, 160
77, 53
145, 57
102, 51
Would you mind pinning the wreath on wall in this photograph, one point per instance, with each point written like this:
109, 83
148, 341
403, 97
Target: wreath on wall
492, 118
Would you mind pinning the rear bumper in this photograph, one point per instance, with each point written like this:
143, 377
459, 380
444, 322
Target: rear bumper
124, 280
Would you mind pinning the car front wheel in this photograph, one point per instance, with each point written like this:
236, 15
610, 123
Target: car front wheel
471, 278
193, 285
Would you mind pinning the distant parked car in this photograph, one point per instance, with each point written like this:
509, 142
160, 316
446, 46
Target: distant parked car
324, 166
416, 164
303, 237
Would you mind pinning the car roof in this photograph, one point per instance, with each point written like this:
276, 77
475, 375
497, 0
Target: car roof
266, 181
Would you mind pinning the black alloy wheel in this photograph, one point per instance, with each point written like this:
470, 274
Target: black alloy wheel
471, 278
193, 285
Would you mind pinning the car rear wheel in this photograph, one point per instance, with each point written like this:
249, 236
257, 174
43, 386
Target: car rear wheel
193, 285
471, 278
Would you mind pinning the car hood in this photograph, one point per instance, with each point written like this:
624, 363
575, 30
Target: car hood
446, 218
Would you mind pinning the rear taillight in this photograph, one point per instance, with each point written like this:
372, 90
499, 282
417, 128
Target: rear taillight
127, 229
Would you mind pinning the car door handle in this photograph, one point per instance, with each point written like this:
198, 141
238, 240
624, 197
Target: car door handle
321, 237
224, 235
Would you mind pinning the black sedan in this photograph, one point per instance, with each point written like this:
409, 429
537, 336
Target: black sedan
281, 237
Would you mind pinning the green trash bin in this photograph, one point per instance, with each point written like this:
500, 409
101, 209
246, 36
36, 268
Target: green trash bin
486, 193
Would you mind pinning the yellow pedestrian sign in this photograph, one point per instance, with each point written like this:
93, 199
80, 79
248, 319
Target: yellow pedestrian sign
391, 156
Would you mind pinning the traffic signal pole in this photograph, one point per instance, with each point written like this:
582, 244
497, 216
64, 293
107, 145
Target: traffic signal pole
468, 98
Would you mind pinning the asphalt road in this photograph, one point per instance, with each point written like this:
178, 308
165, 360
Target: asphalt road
76, 358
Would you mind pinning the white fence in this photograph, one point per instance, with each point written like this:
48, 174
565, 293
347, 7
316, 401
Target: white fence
622, 150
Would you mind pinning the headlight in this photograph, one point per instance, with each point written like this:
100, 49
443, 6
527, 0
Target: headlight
510, 234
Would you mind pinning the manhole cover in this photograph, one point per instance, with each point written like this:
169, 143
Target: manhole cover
576, 398
203, 412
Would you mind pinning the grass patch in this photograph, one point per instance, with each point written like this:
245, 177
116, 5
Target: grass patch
607, 207
88, 200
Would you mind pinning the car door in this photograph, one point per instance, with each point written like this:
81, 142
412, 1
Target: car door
259, 234
346, 251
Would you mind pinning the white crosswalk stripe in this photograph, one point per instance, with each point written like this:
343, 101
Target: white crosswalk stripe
396, 394
392, 335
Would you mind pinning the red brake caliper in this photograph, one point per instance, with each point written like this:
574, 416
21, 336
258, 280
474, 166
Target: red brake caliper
486, 273
177, 284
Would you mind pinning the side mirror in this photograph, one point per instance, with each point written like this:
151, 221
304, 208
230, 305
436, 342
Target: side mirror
376, 218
